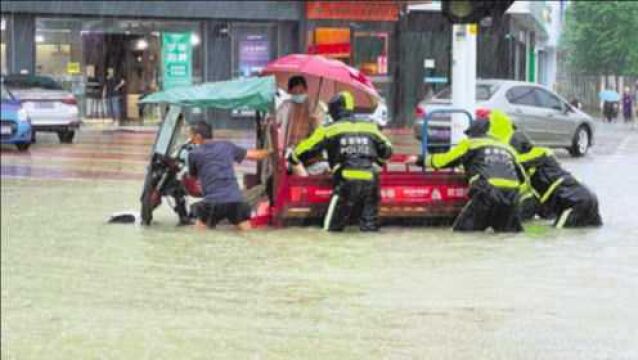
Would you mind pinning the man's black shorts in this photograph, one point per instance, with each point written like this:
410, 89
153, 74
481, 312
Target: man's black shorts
212, 214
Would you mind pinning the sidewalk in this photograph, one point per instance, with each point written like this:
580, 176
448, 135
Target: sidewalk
108, 125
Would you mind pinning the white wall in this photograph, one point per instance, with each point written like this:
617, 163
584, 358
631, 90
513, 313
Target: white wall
554, 29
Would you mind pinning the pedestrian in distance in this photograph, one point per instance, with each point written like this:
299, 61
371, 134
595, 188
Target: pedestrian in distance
627, 105
575, 103
354, 147
609, 111
493, 173
212, 163
111, 93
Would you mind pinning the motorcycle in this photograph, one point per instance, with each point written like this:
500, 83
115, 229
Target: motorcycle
167, 173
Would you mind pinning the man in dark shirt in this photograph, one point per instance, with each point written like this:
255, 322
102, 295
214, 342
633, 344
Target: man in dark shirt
212, 162
111, 93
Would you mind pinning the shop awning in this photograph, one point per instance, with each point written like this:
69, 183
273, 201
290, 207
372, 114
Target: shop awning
256, 93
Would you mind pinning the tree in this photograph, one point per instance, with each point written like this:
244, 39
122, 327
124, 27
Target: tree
601, 38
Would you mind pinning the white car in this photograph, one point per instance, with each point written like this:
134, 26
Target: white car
50, 107
548, 119
378, 116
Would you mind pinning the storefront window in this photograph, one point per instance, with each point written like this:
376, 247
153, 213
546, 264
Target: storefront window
53, 54
371, 53
366, 51
357, 33
78, 52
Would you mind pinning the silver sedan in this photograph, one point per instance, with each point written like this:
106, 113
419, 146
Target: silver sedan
548, 119
50, 107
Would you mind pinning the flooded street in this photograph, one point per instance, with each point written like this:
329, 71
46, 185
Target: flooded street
75, 287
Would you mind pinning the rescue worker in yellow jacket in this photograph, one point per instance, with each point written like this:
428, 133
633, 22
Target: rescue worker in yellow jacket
554, 191
550, 191
353, 148
493, 174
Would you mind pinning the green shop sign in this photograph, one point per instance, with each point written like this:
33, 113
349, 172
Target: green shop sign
177, 64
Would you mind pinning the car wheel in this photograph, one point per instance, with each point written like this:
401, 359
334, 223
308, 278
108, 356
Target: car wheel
581, 142
66, 136
23, 146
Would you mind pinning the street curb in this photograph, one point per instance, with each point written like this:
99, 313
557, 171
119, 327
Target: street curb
130, 130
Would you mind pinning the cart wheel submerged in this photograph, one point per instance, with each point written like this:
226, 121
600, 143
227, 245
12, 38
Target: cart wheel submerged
150, 200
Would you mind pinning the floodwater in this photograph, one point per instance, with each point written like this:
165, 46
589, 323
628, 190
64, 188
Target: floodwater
75, 287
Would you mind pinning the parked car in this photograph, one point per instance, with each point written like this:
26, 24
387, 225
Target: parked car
15, 127
50, 107
379, 115
548, 119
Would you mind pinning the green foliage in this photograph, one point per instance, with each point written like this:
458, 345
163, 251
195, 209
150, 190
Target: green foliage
601, 38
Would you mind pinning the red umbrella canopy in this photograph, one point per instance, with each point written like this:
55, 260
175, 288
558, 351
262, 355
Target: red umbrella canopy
325, 78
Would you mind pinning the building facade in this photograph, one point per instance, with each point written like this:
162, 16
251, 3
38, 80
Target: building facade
522, 45
404, 47
77, 40
361, 34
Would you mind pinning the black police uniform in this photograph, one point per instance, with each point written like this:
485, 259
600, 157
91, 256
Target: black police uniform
555, 192
494, 176
353, 147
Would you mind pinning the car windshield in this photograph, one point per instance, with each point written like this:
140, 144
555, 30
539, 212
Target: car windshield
6, 96
30, 81
483, 92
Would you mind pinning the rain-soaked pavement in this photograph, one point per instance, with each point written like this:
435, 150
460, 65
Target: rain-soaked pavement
75, 287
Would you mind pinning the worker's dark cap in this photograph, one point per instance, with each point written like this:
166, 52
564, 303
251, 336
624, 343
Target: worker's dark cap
478, 128
521, 143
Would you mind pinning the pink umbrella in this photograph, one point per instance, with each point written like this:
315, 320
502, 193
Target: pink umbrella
325, 78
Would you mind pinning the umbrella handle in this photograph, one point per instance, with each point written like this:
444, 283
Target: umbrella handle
314, 110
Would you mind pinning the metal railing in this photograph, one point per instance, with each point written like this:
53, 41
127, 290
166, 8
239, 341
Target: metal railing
428, 117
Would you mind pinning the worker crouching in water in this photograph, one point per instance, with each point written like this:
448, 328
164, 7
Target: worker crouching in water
353, 148
554, 191
493, 174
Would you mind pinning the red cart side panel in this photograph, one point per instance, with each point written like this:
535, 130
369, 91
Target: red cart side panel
405, 192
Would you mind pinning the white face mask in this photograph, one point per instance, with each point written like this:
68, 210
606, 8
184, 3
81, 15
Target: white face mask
298, 99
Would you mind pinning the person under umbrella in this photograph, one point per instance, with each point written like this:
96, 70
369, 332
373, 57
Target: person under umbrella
610, 100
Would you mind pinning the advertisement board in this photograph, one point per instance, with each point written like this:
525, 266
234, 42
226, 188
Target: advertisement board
177, 64
353, 10
254, 54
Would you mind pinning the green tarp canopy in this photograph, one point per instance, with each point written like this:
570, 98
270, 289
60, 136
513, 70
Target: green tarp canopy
256, 93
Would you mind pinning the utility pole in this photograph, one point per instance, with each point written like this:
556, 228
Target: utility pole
463, 77
465, 16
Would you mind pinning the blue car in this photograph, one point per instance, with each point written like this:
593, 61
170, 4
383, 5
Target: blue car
15, 126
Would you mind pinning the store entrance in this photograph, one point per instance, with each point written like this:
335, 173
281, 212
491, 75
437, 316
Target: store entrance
77, 52
133, 58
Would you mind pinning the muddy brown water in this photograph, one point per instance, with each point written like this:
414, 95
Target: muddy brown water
75, 287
